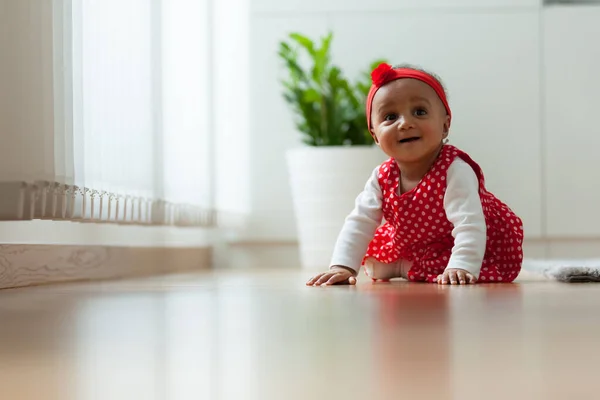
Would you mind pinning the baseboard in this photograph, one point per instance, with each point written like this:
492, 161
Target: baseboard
563, 248
257, 254
284, 254
29, 264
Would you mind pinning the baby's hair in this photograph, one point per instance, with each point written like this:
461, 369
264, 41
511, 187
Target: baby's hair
417, 68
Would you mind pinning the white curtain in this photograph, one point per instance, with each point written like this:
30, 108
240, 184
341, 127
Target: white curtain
141, 73
116, 82
130, 138
117, 97
120, 111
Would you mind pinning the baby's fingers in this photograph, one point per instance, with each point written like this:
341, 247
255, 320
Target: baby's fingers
445, 278
314, 279
471, 278
453, 277
324, 278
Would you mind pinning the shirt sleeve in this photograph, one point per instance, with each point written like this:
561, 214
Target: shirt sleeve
360, 226
464, 210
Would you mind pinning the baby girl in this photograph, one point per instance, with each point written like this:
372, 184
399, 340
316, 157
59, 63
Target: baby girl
440, 223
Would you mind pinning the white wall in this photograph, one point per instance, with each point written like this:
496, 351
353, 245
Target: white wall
487, 52
572, 134
346, 6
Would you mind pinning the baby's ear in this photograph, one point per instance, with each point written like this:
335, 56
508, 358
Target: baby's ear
447, 125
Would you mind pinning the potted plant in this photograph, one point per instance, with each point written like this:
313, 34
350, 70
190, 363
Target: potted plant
330, 170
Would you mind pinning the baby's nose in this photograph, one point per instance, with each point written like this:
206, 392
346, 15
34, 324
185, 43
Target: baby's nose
403, 121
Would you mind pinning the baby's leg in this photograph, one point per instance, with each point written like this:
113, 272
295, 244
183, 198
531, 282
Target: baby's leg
384, 272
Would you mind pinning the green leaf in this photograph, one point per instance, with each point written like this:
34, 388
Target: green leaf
311, 96
304, 42
321, 59
284, 47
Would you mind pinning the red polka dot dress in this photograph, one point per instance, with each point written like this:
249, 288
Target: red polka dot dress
416, 227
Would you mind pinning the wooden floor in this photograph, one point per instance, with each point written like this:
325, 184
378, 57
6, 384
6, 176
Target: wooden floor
264, 335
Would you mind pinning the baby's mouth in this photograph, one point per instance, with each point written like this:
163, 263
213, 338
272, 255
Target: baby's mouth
408, 140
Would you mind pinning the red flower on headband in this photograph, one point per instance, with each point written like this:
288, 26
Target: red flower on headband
381, 74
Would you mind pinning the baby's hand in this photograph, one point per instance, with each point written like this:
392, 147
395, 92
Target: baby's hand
336, 275
455, 276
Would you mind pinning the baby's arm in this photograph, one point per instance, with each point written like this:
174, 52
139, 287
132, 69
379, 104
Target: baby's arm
356, 234
463, 208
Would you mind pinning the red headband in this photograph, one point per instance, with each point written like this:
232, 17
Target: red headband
384, 73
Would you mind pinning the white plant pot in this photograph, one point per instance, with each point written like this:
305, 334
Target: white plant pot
325, 182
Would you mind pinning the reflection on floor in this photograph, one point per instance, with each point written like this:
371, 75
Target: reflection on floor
263, 335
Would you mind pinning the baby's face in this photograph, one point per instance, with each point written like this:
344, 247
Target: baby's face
409, 120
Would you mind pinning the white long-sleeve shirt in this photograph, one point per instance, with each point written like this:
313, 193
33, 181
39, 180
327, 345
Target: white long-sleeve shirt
462, 205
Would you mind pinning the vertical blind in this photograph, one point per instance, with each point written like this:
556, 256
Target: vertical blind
127, 117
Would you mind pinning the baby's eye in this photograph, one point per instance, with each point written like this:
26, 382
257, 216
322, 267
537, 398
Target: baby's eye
420, 112
390, 117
